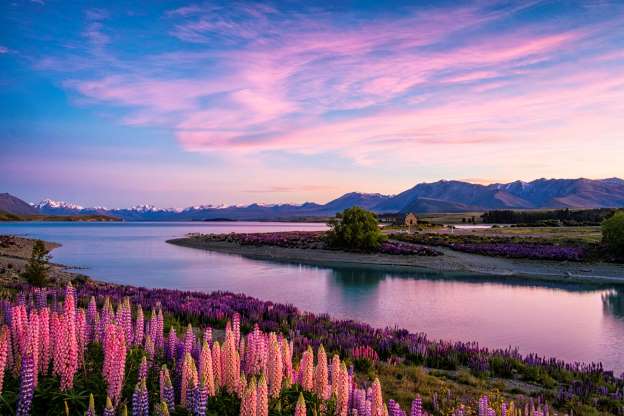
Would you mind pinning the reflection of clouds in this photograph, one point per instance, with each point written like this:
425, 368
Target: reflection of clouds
613, 303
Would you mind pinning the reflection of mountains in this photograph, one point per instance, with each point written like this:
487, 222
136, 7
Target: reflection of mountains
362, 276
613, 303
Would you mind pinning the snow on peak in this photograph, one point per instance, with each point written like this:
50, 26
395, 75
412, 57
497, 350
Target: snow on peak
51, 203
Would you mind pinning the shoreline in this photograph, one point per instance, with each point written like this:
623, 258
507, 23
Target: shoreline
451, 262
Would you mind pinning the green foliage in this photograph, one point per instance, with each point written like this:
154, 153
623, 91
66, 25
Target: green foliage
355, 229
36, 272
613, 233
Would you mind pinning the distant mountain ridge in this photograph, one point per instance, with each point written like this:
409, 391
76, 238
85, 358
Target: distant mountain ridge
440, 196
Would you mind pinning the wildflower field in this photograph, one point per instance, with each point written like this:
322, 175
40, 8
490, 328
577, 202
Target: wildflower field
101, 349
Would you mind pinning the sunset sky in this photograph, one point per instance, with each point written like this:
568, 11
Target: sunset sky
178, 104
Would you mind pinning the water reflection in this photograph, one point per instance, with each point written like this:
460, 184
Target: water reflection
613, 303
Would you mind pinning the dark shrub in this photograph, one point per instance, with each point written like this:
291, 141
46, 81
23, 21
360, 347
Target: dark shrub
613, 234
36, 272
355, 229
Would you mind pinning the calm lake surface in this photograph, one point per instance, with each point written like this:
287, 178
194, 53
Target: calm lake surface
575, 323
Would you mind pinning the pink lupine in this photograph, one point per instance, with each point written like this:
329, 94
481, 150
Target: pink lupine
306, 370
342, 391
205, 369
230, 363
143, 369
249, 400
321, 374
125, 319
300, 408
275, 368
114, 360
287, 362
69, 345
139, 326
19, 325
262, 397
335, 372
160, 326
81, 334
189, 379
44, 340
217, 367
106, 317
4, 352
189, 339
376, 399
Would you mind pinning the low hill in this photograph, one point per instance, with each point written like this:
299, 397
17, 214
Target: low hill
13, 205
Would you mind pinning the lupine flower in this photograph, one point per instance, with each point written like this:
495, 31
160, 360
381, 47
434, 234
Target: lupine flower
139, 326
205, 369
44, 340
217, 366
208, 335
114, 360
342, 391
417, 407
376, 399
275, 367
143, 369
91, 408
287, 362
306, 370
150, 348
321, 374
200, 398
188, 379
172, 341
248, 403
4, 352
162, 409
109, 410
300, 408
166, 388
140, 400
27, 387
236, 327
262, 397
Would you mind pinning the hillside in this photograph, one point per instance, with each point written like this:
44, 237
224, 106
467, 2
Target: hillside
13, 205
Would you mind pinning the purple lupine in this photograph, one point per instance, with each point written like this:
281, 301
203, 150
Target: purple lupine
27, 386
417, 406
200, 398
143, 369
140, 400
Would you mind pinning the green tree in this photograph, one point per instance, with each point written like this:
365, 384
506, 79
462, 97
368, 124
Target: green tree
613, 233
36, 272
355, 229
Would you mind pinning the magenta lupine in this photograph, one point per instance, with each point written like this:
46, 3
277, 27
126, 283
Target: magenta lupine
81, 334
189, 340
68, 345
236, 328
160, 327
172, 341
125, 319
92, 319
262, 397
4, 353
27, 387
139, 326
208, 336
321, 374
140, 400
484, 406
300, 408
33, 343
44, 340
205, 369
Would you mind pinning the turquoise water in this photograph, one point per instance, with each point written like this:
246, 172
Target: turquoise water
575, 323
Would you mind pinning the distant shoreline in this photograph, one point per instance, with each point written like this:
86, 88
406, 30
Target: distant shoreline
451, 261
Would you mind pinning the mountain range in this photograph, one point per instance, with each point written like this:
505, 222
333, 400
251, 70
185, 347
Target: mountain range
441, 196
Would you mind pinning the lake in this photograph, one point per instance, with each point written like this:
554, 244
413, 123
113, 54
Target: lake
571, 322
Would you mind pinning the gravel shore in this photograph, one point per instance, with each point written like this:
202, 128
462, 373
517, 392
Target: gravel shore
451, 261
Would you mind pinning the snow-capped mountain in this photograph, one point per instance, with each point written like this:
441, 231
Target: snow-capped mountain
441, 196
